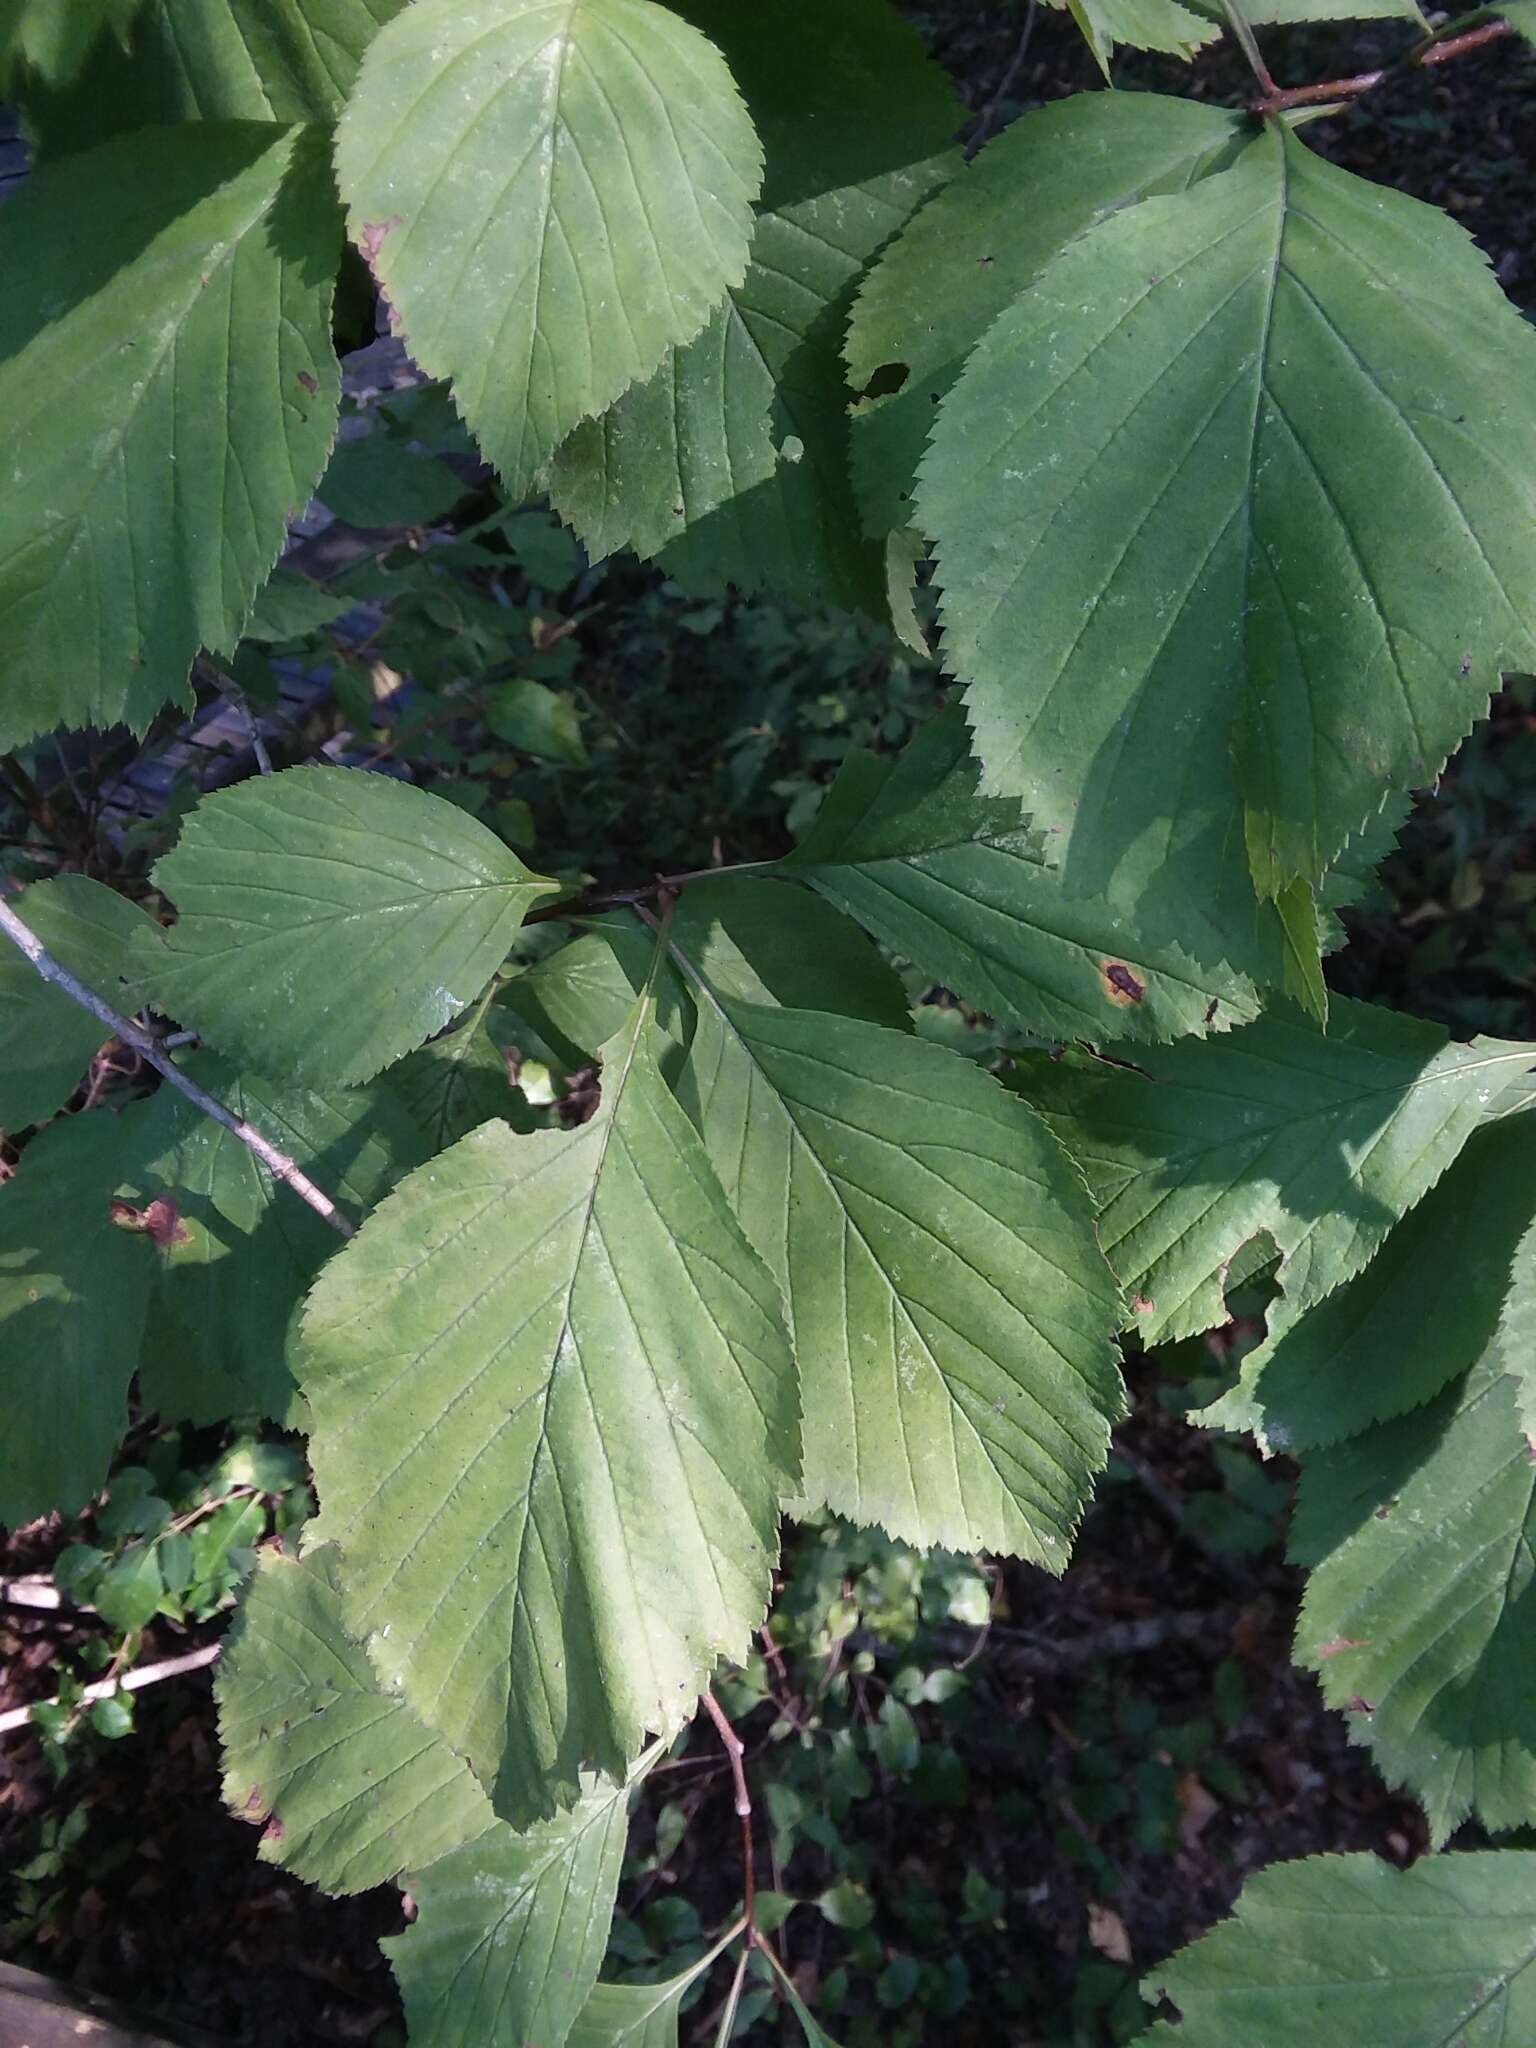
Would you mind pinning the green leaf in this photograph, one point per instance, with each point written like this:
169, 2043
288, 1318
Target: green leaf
73, 1291
458, 1082
955, 882
210, 60
351, 1787
1521, 17
331, 920
510, 1930
1393, 1336
1421, 1622
171, 392
758, 941
631, 2015
55, 37
732, 462
552, 195
290, 607
966, 255
1143, 24
46, 1040
949, 1309
1198, 470
537, 720
244, 1249
1333, 1951
377, 481
1514, 1341
1322, 1141
554, 1420
1262, 12
129, 1592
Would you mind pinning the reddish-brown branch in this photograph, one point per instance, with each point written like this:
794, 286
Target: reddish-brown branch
731, 1743
1341, 89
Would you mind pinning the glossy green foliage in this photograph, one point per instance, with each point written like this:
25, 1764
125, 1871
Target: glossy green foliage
170, 394
552, 195
1393, 1336
294, 891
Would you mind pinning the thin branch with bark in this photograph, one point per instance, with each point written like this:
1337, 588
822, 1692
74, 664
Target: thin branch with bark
129, 1681
1434, 50
153, 1051
732, 1744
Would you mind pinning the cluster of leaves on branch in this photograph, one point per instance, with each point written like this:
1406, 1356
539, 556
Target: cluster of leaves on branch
1225, 461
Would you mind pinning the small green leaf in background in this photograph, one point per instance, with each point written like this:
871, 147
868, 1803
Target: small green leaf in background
376, 480
290, 607
46, 1039
545, 278
54, 37
73, 1293
537, 720
331, 920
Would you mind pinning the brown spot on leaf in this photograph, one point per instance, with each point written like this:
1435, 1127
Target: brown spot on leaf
274, 1830
1358, 1704
373, 237
1143, 1304
310, 383
1120, 985
255, 1809
1340, 1643
161, 1220
1210, 1012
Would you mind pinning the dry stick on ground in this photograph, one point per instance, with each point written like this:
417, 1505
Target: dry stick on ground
152, 1049
129, 1681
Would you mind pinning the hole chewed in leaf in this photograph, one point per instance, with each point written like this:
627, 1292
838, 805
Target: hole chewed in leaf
886, 381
